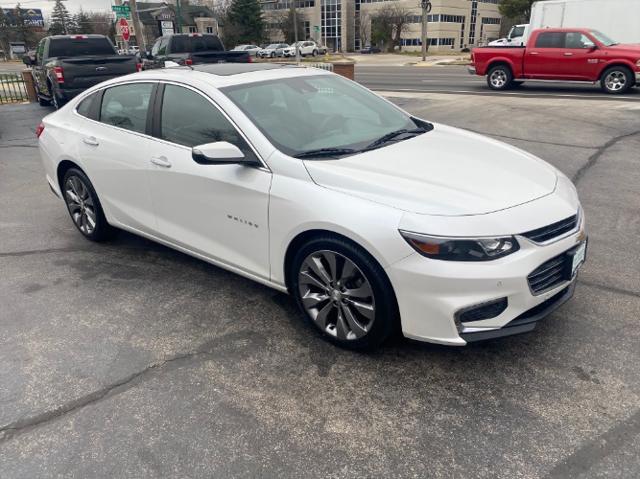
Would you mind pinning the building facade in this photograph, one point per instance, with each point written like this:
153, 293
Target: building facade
345, 25
157, 19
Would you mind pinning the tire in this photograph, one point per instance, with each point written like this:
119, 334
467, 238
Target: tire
616, 80
43, 102
273, 55
84, 206
349, 298
315, 53
500, 77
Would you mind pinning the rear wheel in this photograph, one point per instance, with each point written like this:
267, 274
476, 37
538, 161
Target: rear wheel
616, 80
344, 293
315, 53
500, 77
84, 206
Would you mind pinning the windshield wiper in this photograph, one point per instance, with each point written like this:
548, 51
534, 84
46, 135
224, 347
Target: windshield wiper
320, 152
390, 136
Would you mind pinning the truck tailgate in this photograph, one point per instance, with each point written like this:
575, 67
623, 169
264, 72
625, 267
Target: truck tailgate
220, 57
86, 71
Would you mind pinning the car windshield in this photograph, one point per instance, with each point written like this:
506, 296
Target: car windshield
305, 114
273, 45
602, 38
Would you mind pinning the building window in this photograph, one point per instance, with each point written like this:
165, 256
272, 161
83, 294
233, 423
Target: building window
193, 30
209, 29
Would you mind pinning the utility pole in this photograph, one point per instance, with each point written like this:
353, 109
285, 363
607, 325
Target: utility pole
426, 8
295, 30
178, 16
142, 44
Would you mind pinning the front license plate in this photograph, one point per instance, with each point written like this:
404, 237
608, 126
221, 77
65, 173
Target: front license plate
579, 256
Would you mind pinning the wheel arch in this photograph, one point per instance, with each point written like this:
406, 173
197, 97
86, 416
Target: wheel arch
304, 236
62, 168
501, 61
617, 63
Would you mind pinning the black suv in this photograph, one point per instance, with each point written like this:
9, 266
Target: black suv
190, 49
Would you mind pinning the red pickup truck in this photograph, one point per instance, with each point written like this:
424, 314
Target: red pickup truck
561, 54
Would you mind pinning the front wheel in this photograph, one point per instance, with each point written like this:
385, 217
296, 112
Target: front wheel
315, 53
84, 206
500, 77
344, 293
616, 80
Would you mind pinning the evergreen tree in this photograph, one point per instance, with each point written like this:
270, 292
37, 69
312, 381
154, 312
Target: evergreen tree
23, 32
519, 10
61, 21
4, 33
244, 22
82, 22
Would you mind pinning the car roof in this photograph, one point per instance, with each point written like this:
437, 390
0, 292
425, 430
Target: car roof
220, 75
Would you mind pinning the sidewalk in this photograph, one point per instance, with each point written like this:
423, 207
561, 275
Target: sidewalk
395, 59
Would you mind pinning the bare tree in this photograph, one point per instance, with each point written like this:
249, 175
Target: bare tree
388, 24
365, 29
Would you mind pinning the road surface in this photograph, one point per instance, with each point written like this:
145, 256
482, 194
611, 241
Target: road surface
455, 79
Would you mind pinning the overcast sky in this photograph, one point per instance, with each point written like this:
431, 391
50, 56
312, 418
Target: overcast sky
72, 5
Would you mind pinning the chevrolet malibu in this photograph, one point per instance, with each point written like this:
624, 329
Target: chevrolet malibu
372, 219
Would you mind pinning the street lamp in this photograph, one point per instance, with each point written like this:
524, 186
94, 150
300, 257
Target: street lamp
426, 8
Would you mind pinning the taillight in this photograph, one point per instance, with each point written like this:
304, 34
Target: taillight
39, 130
57, 71
138, 67
188, 61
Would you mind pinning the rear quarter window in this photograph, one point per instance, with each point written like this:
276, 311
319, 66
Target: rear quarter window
72, 47
87, 108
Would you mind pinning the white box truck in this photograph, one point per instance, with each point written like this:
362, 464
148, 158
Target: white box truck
618, 19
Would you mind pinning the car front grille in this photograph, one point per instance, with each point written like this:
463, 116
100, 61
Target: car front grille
549, 274
546, 233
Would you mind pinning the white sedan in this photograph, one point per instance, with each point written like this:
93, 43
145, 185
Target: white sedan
302, 180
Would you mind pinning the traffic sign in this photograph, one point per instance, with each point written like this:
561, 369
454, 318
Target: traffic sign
123, 26
121, 9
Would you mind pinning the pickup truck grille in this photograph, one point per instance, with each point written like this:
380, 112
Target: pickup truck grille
552, 231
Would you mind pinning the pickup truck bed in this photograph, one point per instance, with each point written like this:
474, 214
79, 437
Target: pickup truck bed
566, 55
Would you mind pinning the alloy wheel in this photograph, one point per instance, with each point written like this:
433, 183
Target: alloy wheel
337, 295
80, 204
615, 81
498, 78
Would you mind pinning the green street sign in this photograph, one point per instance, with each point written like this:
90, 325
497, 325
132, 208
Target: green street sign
121, 9
126, 15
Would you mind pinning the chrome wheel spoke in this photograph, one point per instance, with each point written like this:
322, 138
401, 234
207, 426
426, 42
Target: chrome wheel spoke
308, 278
365, 309
318, 268
311, 300
91, 218
323, 316
358, 329
363, 291
342, 329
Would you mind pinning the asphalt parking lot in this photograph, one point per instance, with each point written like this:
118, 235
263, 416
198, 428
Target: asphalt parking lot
128, 359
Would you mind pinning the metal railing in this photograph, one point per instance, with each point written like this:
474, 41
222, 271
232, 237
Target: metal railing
322, 66
12, 88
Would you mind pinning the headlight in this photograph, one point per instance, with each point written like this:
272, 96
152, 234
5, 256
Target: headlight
461, 249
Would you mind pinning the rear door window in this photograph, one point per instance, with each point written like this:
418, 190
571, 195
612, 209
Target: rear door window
551, 40
74, 47
126, 106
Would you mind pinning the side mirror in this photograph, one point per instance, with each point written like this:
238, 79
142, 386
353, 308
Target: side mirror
218, 153
590, 46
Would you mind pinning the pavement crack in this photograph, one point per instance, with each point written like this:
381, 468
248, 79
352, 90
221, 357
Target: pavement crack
22, 425
529, 140
593, 159
241, 342
611, 289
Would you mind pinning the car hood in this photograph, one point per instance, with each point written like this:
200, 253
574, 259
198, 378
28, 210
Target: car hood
630, 48
446, 171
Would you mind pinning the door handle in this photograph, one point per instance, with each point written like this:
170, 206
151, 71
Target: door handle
161, 161
534, 53
568, 54
91, 141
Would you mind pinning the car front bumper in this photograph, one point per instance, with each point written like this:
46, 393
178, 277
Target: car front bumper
471, 69
432, 294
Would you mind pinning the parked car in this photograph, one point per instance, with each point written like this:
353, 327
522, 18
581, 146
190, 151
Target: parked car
251, 49
557, 54
305, 48
272, 50
500, 42
66, 65
134, 49
370, 49
457, 237
192, 49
